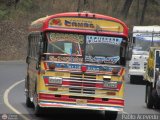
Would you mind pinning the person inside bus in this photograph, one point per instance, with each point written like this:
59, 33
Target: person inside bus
89, 50
64, 47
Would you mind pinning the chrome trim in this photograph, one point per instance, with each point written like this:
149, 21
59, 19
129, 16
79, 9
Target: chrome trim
83, 81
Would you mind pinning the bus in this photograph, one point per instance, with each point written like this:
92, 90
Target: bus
76, 60
144, 37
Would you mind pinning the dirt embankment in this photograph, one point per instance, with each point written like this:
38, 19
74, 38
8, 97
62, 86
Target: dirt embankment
13, 40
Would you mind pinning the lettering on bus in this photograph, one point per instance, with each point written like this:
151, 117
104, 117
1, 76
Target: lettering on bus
67, 37
66, 59
79, 24
98, 59
108, 40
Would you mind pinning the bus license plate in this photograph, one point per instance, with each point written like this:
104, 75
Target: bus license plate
54, 80
81, 102
110, 84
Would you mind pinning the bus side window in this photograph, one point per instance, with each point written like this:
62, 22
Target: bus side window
33, 51
29, 45
28, 50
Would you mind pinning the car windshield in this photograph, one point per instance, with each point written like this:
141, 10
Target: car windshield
144, 41
102, 49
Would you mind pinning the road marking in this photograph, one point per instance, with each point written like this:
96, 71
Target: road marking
6, 101
125, 112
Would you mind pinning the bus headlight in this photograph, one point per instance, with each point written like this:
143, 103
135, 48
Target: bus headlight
55, 80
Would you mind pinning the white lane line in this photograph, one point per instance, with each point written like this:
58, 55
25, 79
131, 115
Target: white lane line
6, 101
125, 112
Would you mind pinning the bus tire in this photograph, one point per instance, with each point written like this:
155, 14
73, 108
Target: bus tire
38, 111
156, 99
28, 101
157, 105
132, 81
111, 115
149, 97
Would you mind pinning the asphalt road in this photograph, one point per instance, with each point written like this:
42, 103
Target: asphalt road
12, 98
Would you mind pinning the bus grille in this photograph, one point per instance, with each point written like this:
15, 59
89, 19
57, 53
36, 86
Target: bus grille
82, 83
80, 75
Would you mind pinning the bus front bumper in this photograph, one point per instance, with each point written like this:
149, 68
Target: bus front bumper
46, 104
136, 72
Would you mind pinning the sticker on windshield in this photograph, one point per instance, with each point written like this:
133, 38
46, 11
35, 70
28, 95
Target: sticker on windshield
54, 37
111, 60
101, 39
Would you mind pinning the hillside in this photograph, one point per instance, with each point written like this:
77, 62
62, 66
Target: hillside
16, 15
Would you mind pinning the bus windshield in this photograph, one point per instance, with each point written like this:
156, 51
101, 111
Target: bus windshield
103, 49
97, 49
61, 43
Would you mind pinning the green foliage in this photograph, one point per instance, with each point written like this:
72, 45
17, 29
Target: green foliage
27, 5
3, 14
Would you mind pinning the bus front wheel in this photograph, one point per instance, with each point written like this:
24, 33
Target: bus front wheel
132, 79
111, 115
28, 101
38, 111
149, 97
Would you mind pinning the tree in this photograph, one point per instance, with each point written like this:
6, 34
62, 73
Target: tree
15, 3
137, 12
85, 5
93, 9
12, 2
126, 8
78, 8
143, 12
156, 2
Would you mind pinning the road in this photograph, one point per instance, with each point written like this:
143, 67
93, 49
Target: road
12, 98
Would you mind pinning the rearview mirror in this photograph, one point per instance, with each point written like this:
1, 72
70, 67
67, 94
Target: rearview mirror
27, 59
129, 53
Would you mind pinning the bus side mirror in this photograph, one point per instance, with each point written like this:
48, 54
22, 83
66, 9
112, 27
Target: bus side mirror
40, 48
133, 41
27, 59
37, 65
129, 53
